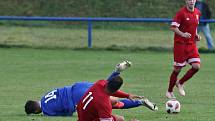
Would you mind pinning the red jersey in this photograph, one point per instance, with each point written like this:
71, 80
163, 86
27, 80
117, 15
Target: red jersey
186, 21
95, 105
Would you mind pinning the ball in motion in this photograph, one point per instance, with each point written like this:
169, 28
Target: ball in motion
173, 106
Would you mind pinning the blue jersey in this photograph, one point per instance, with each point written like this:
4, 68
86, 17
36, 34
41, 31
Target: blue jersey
63, 101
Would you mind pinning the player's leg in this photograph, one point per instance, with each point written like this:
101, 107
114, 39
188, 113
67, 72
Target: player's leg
122, 66
194, 61
172, 81
118, 118
179, 62
119, 68
150, 105
121, 118
113, 74
209, 39
126, 104
189, 74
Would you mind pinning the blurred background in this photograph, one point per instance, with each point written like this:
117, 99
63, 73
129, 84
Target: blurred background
38, 56
70, 34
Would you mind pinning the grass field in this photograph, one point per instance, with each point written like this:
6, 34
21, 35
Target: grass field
29, 73
102, 37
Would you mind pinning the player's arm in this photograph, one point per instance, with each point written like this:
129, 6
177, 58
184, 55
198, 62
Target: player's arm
180, 33
176, 22
122, 94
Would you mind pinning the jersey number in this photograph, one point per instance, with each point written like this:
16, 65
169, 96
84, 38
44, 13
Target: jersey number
50, 95
87, 100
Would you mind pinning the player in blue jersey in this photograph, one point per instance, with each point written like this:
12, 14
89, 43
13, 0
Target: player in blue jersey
63, 101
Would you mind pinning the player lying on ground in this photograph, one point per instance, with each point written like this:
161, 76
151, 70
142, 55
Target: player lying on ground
95, 105
63, 101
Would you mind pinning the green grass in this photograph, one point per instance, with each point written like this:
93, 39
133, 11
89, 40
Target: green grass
102, 37
29, 73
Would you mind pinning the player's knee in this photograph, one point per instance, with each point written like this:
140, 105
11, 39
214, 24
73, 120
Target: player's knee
177, 69
120, 118
196, 66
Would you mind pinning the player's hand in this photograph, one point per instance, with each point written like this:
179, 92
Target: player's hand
197, 37
131, 97
186, 35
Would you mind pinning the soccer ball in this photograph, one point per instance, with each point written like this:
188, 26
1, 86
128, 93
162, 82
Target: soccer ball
173, 106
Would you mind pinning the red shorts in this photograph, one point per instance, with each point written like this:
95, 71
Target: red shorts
185, 53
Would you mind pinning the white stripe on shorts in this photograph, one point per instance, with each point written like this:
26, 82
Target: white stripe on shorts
179, 64
106, 119
194, 60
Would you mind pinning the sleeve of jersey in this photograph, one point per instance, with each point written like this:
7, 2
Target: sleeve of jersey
104, 111
177, 20
120, 94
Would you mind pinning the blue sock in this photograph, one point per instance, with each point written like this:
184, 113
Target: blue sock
130, 103
114, 74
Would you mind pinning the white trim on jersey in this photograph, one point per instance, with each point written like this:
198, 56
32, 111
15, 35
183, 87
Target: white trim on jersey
179, 64
106, 119
89, 94
194, 60
175, 24
88, 101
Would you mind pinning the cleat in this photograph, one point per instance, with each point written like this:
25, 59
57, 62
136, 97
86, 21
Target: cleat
150, 105
123, 66
170, 95
180, 88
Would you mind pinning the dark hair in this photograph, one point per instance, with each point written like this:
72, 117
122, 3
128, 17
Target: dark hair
31, 107
114, 84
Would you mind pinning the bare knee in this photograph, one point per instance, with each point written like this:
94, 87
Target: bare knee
177, 69
196, 66
119, 118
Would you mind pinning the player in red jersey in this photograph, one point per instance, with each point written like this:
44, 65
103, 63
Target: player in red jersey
184, 25
95, 105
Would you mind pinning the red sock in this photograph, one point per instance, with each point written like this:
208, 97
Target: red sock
188, 75
118, 105
172, 81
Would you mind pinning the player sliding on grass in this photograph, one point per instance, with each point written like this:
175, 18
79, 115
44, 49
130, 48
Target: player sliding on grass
184, 26
95, 105
63, 101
